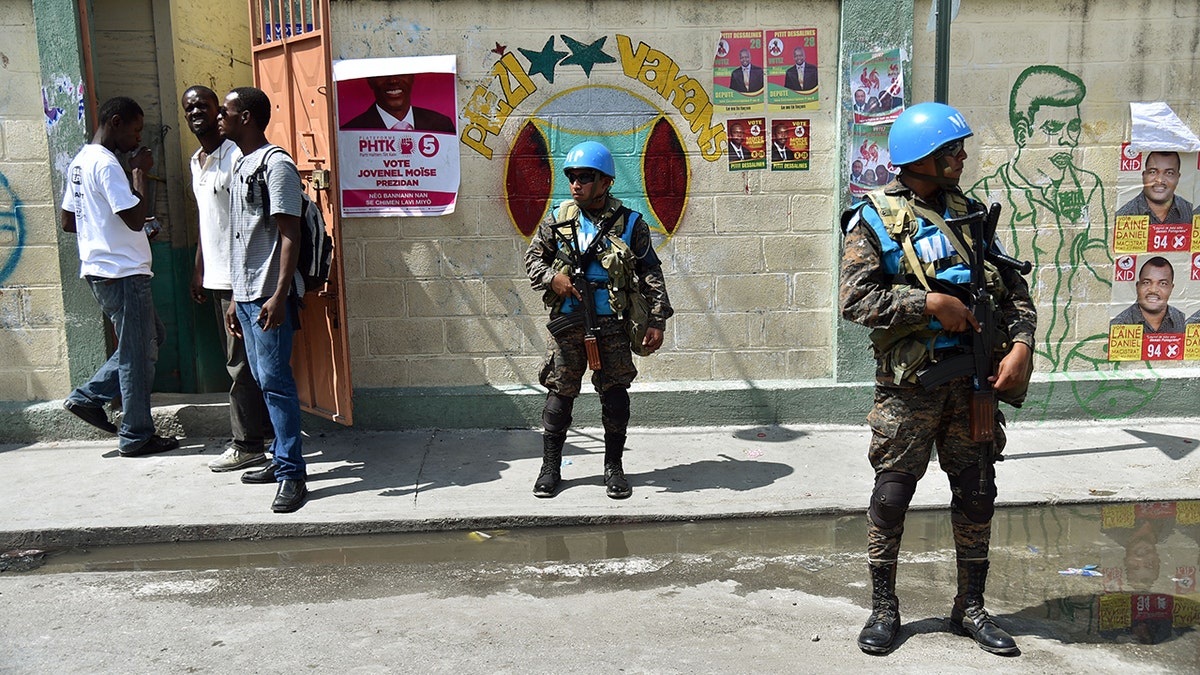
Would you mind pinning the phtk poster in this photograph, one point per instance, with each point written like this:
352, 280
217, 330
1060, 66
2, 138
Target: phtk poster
397, 141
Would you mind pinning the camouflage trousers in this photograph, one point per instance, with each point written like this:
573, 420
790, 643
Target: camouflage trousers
906, 422
566, 362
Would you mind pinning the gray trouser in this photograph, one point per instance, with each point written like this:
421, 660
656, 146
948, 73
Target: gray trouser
249, 421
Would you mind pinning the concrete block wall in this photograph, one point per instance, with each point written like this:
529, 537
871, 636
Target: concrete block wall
1122, 52
33, 355
444, 301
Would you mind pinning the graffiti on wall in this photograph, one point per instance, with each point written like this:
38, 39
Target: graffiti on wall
12, 230
1055, 213
649, 148
63, 100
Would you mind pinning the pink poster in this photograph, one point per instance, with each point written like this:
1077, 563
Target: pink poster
397, 140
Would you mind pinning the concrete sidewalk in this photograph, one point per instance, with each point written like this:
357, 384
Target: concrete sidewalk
83, 493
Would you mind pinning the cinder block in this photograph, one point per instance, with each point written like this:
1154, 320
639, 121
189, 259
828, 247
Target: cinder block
751, 213
14, 386
749, 365
483, 335
674, 366
380, 373
511, 297
440, 371
33, 346
789, 330
691, 293
719, 255
749, 292
798, 252
401, 260
809, 364
814, 290
36, 265
375, 299
452, 297
712, 331
512, 369
48, 384
475, 257
392, 337
24, 140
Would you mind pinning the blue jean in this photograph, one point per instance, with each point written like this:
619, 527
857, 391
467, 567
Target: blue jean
269, 353
129, 372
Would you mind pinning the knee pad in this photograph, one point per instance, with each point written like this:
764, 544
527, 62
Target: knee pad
614, 409
889, 501
556, 416
977, 505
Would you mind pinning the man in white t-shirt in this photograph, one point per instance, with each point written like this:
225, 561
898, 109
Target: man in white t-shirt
212, 168
105, 208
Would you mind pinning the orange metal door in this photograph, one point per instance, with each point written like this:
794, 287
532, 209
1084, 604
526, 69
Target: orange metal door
291, 53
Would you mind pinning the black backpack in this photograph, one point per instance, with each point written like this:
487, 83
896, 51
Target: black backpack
316, 246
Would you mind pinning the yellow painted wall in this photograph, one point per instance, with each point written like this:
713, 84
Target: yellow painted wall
211, 46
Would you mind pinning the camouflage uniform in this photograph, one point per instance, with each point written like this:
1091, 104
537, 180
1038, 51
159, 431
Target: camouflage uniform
906, 419
566, 361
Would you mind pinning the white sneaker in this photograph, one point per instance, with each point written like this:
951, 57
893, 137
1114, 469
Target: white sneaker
235, 458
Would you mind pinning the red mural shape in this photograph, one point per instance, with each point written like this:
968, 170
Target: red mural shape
528, 179
664, 168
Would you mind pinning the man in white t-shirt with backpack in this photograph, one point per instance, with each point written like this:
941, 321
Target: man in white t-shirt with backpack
265, 204
212, 171
105, 208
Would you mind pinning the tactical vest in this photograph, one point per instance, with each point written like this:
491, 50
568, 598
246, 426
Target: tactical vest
917, 245
613, 264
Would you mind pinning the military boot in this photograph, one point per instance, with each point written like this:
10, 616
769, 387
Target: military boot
879, 633
970, 618
615, 484
551, 473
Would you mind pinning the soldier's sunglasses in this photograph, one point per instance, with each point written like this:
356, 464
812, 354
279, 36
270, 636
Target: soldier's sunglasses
583, 177
951, 149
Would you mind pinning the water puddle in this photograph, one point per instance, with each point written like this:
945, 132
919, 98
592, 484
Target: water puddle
1085, 573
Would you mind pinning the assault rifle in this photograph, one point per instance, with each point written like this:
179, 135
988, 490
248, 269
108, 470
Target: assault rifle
578, 262
978, 362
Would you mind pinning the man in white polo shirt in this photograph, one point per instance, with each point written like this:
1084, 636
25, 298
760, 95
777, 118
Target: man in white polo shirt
212, 167
109, 215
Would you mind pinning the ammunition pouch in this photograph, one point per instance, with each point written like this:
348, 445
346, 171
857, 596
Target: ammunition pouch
901, 353
561, 324
637, 320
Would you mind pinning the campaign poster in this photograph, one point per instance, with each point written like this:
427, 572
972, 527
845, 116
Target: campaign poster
747, 143
876, 86
739, 81
792, 82
789, 145
397, 141
1155, 310
870, 162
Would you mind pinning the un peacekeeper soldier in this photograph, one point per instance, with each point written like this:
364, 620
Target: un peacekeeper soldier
612, 244
914, 327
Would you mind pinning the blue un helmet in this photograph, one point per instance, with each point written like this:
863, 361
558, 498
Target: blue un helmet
591, 155
922, 129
